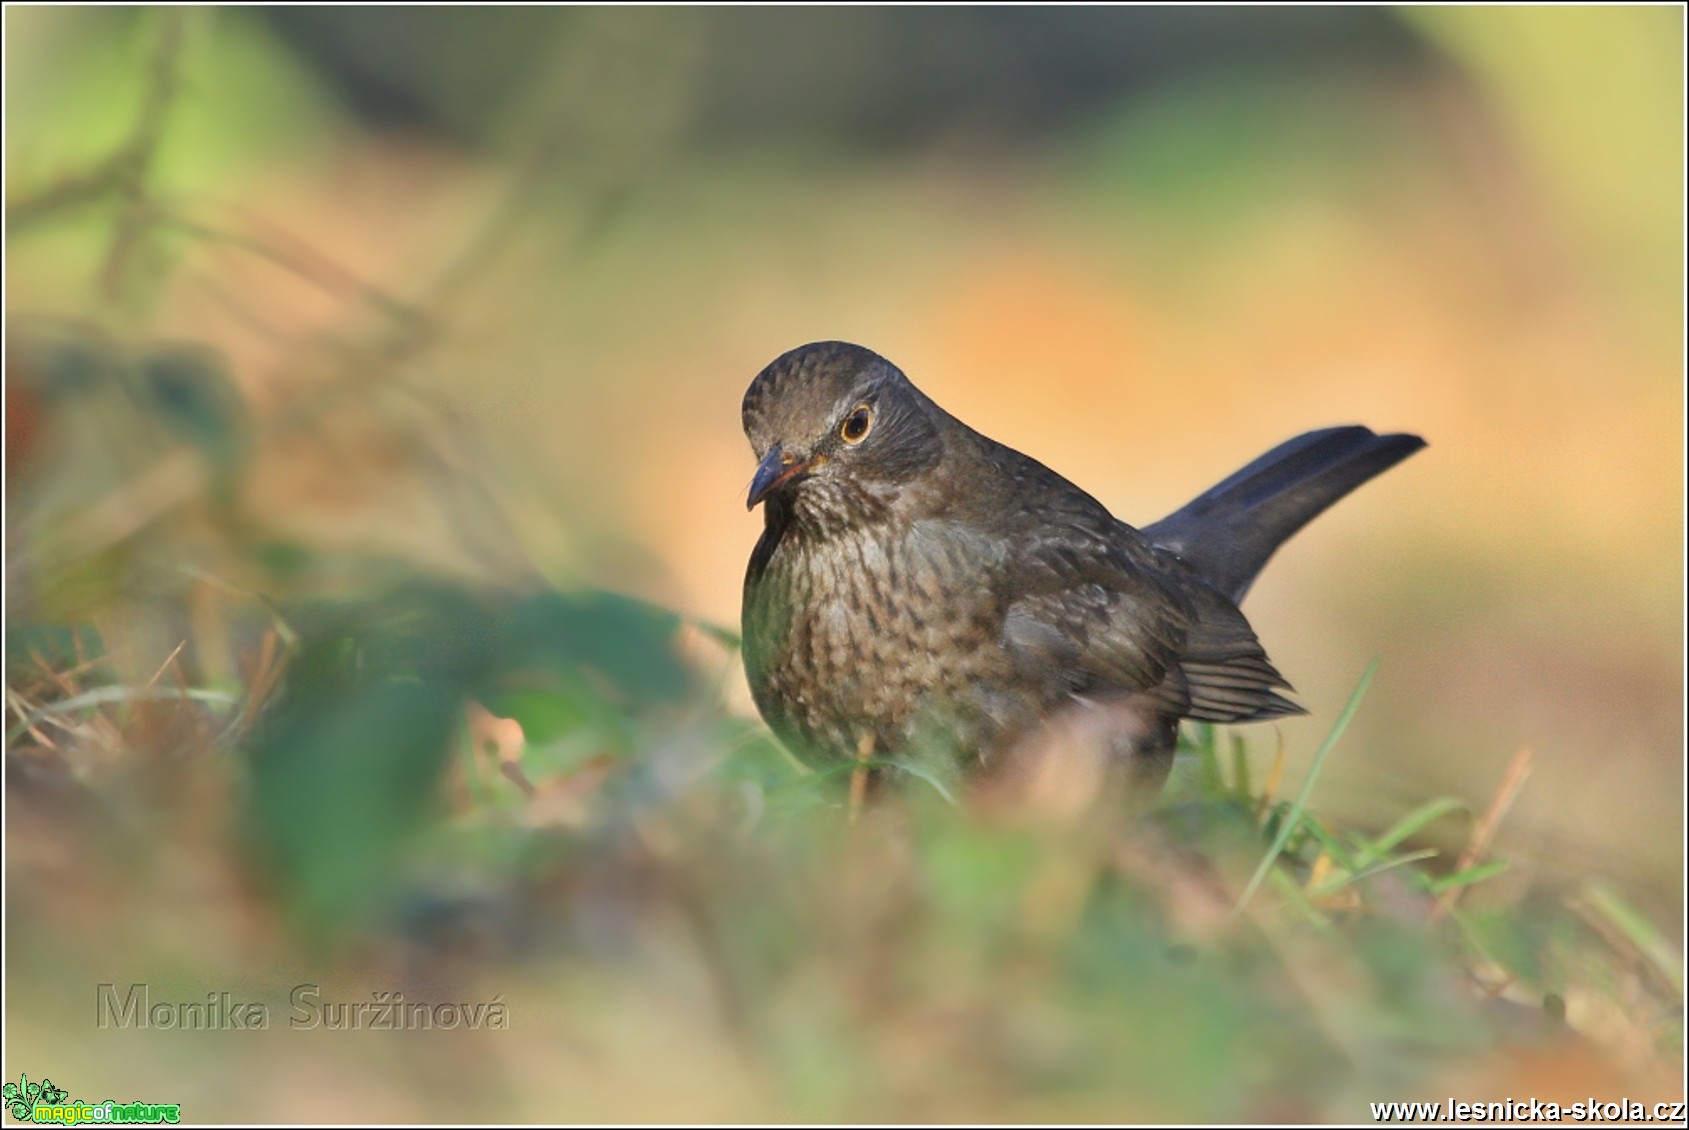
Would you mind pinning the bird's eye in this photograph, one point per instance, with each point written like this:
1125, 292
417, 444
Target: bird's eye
855, 427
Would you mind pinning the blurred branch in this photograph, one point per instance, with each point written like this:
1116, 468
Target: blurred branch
124, 172
1483, 832
298, 258
645, 69
134, 216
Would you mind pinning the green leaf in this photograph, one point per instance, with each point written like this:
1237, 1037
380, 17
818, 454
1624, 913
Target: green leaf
626, 647
346, 762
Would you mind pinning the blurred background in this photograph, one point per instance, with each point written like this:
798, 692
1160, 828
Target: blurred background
303, 299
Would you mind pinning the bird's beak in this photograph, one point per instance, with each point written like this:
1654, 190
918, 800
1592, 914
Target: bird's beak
776, 470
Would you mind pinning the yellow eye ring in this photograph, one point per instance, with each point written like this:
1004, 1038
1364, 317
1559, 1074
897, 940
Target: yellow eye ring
857, 425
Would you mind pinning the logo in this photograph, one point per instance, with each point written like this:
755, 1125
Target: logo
22, 1096
44, 1103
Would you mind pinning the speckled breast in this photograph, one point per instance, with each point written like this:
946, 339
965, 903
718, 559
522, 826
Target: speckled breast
870, 633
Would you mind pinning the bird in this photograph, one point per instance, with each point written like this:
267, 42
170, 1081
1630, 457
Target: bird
920, 587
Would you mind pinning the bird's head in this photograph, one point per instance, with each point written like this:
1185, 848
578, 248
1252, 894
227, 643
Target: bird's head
837, 428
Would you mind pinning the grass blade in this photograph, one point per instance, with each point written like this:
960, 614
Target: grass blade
1334, 885
1294, 817
1469, 876
1412, 824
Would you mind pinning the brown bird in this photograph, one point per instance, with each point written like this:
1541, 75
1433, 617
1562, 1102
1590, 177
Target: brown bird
918, 585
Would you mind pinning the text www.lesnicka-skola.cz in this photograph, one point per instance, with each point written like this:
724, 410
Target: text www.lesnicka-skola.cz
1529, 1110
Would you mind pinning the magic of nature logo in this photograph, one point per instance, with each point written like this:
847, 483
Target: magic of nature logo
44, 1102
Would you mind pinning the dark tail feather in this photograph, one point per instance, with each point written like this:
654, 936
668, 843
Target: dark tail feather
1230, 530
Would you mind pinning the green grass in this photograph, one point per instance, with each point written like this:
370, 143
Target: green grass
667, 868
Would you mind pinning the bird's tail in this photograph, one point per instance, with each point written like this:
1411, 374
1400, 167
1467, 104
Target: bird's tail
1230, 530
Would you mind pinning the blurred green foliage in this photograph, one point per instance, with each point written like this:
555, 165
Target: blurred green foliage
348, 757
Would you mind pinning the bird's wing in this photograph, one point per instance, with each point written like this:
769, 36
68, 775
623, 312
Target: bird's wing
1097, 605
1084, 610
1229, 675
